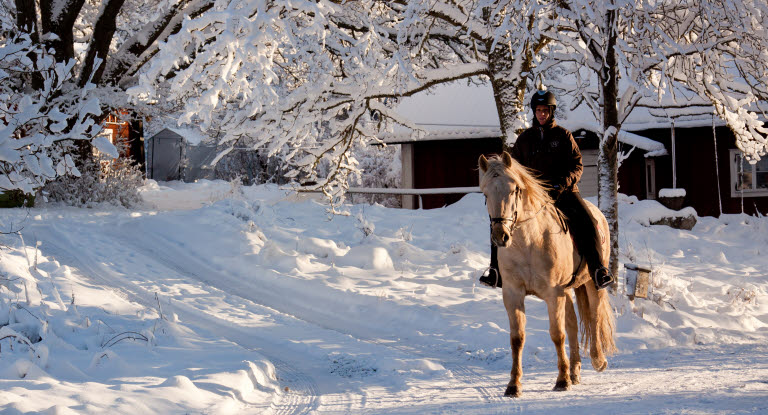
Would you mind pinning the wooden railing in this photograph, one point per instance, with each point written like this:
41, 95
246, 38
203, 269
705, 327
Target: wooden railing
413, 192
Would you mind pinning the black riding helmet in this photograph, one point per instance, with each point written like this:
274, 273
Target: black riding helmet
541, 97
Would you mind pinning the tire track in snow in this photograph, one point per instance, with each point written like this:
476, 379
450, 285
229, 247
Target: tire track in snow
299, 390
485, 386
300, 394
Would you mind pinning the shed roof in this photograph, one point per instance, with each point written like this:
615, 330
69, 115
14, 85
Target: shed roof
166, 133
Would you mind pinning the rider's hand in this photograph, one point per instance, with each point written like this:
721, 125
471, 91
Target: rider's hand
556, 191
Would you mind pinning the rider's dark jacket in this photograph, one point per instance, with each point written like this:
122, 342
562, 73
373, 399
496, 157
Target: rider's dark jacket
550, 151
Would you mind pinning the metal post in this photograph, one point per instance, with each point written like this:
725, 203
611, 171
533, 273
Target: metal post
674, 159
717, 168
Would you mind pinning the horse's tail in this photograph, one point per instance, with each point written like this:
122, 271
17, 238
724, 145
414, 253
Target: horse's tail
603, 321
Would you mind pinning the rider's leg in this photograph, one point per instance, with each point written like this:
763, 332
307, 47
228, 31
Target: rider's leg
491, 276
585, 234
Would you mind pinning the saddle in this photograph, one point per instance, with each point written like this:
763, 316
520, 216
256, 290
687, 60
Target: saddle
566, 228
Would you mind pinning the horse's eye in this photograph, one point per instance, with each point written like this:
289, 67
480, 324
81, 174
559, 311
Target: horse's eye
495, 175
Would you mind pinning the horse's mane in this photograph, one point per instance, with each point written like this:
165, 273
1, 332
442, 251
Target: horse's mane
534, 190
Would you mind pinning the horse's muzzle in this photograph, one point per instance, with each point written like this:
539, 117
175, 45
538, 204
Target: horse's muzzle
499, 236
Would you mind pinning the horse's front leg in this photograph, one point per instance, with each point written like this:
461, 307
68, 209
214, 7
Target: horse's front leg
556, 308
514, 302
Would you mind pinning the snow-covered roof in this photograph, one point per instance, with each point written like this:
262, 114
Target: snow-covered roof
455, 132
453, 111
193, 135
461, 111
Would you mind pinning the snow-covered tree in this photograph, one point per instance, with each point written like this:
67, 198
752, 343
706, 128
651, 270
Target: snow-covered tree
63, 66
625, 53
309, 79
33, 120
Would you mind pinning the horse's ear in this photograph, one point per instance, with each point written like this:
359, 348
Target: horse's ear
482, 162
507, 159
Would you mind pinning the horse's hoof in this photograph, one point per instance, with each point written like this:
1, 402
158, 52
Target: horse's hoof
562, 385
575, 378
575, 373
513, 391
599, 364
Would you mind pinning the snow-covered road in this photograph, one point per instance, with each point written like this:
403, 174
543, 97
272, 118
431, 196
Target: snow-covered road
136, 262
270, 307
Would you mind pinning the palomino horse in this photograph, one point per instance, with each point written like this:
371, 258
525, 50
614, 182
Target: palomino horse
537, 256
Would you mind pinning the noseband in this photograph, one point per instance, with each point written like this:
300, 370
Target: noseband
513, 219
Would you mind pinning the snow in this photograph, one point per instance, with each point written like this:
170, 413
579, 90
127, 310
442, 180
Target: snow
672, 193
215, 298
191, 135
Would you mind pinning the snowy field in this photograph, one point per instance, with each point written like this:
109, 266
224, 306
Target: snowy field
218, 299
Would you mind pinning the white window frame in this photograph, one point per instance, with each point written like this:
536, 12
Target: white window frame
734, 174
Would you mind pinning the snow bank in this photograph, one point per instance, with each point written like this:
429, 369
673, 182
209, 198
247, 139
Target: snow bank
216, 298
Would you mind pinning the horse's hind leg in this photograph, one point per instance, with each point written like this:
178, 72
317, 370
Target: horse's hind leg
556, 307
599, 362
515, 305
572, 328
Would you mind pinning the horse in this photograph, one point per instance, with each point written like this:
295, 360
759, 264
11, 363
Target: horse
537, 257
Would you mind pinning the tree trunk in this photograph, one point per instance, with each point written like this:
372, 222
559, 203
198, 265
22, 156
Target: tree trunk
508, 91
607, 161
60, 24
26, 21
103, 32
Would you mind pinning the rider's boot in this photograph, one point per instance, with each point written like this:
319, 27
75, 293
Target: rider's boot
491, 278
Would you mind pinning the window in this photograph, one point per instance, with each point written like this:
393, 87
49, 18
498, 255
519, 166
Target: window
650, 178
747, 179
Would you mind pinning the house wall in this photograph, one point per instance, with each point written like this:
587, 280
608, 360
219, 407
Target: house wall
449, 163
588, 182
407, 176
696, 171
127, 135
632, 174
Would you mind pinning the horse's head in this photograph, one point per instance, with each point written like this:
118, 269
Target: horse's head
502, 196
508, 188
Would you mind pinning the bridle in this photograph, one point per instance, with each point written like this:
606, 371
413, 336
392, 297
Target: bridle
516, 224
514, 219
503, 221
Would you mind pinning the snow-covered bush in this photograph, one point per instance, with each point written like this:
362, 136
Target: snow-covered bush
37, 111
102, 180
380, 167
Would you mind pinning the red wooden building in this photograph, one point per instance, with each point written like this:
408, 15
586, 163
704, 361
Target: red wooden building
459, 123
716, 179
125, 131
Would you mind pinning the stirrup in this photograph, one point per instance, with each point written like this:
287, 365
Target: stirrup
603, 278
491, 278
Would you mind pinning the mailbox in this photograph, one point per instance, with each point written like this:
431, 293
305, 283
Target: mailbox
638, 280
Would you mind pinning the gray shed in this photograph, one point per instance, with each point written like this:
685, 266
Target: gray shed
171, 156
165, 152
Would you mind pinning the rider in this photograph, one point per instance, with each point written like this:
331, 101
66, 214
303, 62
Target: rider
551, 151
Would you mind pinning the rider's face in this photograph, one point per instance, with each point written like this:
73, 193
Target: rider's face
543, 112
